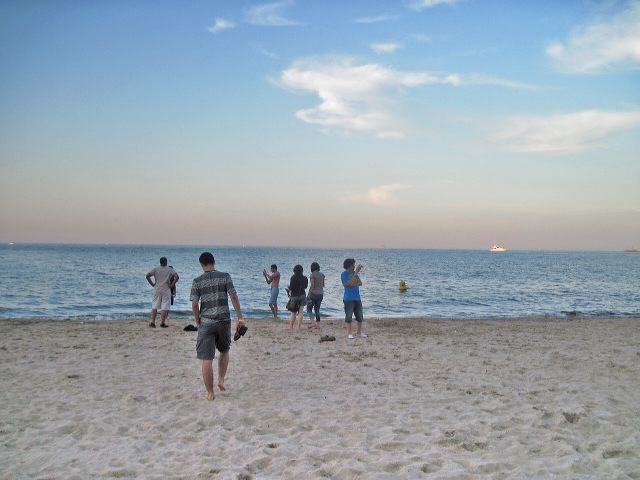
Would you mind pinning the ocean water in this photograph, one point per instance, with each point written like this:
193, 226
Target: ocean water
108, 282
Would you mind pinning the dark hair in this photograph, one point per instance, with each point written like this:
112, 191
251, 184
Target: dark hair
315, 267
207, 259
297, 269
163, 261
274, 266
348, 263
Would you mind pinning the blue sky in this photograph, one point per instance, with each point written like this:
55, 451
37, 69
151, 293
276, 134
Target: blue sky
435, 124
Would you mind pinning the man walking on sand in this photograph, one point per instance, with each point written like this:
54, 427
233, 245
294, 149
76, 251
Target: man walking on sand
210, 294
274, 281
164, 280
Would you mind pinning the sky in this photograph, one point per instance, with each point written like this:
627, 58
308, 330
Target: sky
398, 124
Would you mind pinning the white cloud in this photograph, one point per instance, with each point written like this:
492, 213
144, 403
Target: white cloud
420, 37
383, 195
382, 48
358, 97
377, 19
270, 14
566, 133
220, 25
603, 46
422, 4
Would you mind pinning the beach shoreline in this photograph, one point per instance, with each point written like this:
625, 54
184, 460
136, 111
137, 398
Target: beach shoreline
532, 397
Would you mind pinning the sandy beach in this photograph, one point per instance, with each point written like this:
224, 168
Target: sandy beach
518, 398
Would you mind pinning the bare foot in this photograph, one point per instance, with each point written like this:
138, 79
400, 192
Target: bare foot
221, 386
211, 396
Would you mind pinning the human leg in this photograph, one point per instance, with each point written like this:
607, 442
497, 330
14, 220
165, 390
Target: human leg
292, 321
165, 305
206, 351
223, 344
359, 318
273, 301
348, 313
223, 363
207, 378
156, 304
310, 307
300, 316
316, 306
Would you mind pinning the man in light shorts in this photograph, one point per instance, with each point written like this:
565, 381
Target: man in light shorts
164, 279
210, 295
274, 281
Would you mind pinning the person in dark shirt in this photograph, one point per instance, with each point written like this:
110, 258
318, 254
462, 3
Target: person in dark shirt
298, 285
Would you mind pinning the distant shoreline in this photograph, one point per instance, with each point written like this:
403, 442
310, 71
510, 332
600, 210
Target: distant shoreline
332, 320
313, 247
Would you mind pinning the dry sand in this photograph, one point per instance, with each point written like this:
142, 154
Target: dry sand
530, 398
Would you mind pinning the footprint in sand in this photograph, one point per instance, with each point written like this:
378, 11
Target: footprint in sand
431, 467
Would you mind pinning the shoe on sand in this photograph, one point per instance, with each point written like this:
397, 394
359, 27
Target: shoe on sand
364, 335
351, 337
152, 325
164, 325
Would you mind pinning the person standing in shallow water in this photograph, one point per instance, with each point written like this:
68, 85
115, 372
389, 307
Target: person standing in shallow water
352, 303
209, 302
298, 285
316, 294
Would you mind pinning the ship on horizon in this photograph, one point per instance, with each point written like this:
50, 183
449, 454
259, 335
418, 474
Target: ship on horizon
497, 248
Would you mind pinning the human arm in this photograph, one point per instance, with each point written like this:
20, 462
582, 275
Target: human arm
195, 308
149, 275
266, 276
236, 306
174, 279
354, 281
312, 285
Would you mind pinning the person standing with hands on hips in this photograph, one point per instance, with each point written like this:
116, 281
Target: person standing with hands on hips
352, 304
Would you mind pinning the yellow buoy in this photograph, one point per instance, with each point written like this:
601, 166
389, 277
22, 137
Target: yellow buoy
403, 286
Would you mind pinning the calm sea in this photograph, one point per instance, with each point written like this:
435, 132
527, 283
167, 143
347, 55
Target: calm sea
108, 282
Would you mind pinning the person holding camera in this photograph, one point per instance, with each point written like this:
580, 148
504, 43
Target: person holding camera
274, 281
352, 304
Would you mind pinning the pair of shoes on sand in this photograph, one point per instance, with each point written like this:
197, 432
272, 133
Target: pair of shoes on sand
153, 325
363, 335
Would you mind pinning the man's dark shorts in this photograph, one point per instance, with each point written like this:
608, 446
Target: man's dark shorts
212, 335
353, 308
